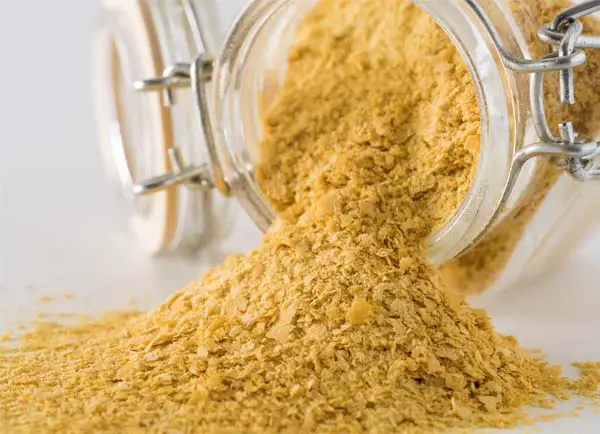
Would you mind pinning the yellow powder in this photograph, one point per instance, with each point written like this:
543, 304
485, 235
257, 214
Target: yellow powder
336, 323
45, 299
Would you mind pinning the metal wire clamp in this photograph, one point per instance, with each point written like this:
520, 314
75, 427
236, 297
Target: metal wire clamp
571, 152
206, 176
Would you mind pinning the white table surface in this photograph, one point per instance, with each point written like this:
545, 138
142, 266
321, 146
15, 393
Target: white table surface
62, 230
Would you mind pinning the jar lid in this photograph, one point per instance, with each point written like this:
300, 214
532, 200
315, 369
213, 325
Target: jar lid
154, 135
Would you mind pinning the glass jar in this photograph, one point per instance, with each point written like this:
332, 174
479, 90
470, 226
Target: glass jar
195, 131
138, 39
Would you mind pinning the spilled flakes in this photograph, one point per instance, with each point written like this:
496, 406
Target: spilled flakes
336, 323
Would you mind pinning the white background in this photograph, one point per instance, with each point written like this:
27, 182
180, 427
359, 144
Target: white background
61, 229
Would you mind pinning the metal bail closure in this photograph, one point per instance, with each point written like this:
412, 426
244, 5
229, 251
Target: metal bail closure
206, 176
177, 76
575, 155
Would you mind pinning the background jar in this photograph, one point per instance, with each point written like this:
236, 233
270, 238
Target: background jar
543, 220
137, 39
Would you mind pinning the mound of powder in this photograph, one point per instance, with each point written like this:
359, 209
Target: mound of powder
336, 323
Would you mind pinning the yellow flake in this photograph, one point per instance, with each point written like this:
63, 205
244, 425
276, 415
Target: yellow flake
151, 357
359, 312
336, 322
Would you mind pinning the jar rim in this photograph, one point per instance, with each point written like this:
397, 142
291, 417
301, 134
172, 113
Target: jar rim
502, 110
501, 113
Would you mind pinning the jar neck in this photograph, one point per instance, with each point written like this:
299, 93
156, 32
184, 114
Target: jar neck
250, 70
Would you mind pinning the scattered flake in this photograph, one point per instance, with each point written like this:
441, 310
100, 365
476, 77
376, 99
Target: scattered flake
164, 378
280, 332
359, 312
335, 323
151, 357
405, 263
316, 332
45, 299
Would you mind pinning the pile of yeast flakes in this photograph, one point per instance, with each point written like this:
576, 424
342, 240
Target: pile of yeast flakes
335, 324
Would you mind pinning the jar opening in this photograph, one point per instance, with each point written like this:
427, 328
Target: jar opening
252, 68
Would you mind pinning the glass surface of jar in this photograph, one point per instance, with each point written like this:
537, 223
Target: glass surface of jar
143, 133
197, 130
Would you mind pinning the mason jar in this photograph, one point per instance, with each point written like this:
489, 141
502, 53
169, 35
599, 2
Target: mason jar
182, 87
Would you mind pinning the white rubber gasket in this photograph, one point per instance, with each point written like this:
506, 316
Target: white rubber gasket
155, 228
